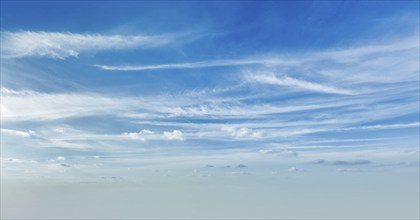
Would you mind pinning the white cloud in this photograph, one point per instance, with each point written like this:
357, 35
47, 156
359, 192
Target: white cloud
17, 132
369, 62
55, 105
333, 129
263, 126
59, 130
355, 54
174, 135
388, 126
203, 64
61, 45
56, 143
298, 132
242, 132
141, 135
6, 91
292, 82
352, 54
50, 106
344, 55
60, 158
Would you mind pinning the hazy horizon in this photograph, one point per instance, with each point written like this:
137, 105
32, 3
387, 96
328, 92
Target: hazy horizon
210, 110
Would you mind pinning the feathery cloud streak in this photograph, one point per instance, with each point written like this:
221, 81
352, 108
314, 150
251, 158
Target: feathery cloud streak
349, 55
202, 64
61, 45
292, 82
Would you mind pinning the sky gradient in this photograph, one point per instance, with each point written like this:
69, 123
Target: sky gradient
288, 109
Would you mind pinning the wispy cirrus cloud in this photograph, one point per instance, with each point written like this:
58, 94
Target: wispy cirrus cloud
193, 65
386, 126
302, 84
17, 132
242, 132
51, 106
61, 45
170, 114
342, 55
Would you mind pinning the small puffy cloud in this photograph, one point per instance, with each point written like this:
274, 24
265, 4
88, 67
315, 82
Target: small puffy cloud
60, 158
18, 133
342, 162
174, 135
242, 132
141, 135
145, 131
256, 135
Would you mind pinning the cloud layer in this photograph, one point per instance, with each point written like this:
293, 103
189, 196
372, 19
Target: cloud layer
292, 82
61, 45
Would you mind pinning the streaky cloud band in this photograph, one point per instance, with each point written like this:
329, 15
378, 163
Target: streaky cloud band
193, 65
61, 45
302, 84
352, 54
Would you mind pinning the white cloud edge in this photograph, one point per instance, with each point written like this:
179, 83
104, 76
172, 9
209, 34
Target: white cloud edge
18, 133
146, 134
62, 45
85, 104
272, 79
351, 54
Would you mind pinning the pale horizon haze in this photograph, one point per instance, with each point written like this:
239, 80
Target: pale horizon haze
210, 110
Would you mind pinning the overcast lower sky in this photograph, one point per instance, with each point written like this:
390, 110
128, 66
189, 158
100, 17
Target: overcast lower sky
287, 109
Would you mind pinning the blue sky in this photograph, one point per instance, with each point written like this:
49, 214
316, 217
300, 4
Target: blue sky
227, 92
